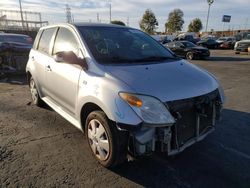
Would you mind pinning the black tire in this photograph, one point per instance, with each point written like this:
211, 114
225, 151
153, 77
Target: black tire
237, 52
117, 140
35, 97
190, 55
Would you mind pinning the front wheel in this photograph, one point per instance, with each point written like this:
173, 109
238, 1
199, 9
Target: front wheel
190, 56
36, 100
106, 142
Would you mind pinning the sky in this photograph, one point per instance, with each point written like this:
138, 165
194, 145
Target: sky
131, 11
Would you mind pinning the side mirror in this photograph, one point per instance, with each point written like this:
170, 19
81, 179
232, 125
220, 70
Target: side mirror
71, 58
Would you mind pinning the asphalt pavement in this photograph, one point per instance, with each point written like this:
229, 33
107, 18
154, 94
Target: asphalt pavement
38, 148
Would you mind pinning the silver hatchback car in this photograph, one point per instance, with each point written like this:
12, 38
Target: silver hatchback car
130, 95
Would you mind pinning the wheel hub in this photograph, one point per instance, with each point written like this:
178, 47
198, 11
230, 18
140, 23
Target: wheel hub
98, 139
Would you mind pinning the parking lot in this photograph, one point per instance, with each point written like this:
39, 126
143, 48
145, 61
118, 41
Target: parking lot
38, 148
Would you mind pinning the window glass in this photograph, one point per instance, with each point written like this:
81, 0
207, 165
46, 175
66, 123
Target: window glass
177, 44
188, 44
38, 36
65, 41
44, 43
170, 44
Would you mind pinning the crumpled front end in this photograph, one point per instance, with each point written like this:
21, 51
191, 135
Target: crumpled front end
194, 117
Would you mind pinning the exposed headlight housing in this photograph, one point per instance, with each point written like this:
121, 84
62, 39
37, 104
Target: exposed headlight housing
149, 109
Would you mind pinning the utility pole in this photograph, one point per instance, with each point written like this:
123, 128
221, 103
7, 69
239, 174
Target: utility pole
68, 14
97, 17
246, 23
21, 12
128, 21
110, 12
210, 2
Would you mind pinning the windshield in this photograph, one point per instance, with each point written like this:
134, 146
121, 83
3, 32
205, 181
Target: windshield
188, 44
123, 45
16, 38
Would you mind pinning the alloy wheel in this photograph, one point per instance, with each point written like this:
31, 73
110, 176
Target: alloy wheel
33, 91
98, 140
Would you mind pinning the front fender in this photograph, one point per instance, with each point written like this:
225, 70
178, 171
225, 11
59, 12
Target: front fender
103, 92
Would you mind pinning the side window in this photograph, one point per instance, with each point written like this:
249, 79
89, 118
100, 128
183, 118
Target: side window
44, 43
177, 44
170, 45
65, 41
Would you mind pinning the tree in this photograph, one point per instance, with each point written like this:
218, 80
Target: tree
195, 25
175, 21
118, 22
148, 22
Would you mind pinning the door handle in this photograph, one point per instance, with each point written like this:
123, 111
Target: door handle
47, 68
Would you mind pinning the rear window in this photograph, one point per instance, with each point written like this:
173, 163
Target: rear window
44, 43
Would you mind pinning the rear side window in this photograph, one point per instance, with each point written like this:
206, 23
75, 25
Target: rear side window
44, 43
65, 41
38, 36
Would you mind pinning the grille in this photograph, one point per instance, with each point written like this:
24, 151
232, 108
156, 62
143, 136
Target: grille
188, 112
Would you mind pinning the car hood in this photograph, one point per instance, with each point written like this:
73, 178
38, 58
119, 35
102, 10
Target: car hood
244, 41
167, 81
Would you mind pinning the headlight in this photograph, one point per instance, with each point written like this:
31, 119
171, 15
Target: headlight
149, 109
222, 94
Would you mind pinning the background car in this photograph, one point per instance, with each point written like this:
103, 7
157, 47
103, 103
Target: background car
14, 51
188, 50
165, 40
226, 42
241, 46
187, 37
208, 43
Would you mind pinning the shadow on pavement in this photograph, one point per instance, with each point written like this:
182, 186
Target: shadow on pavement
226, 58
221, 160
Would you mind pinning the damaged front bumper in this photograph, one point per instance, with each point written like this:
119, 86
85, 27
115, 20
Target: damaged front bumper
195, 119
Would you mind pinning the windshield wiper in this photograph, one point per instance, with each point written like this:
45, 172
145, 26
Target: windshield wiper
154, 58
117, 59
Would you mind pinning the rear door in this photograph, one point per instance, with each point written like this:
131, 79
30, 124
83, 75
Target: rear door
62, 78
40, 55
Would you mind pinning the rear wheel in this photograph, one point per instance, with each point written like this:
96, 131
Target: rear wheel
190, 55
106, 142
36, 100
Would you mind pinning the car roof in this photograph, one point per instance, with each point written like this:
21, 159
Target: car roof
180, 41
86, 24
13, 34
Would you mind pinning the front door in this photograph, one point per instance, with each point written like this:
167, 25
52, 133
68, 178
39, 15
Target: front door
61, 77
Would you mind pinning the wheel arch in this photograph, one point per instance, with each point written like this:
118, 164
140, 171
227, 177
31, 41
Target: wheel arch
86, 110
28, 76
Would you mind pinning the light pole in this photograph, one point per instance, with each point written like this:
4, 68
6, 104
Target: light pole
210, 2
